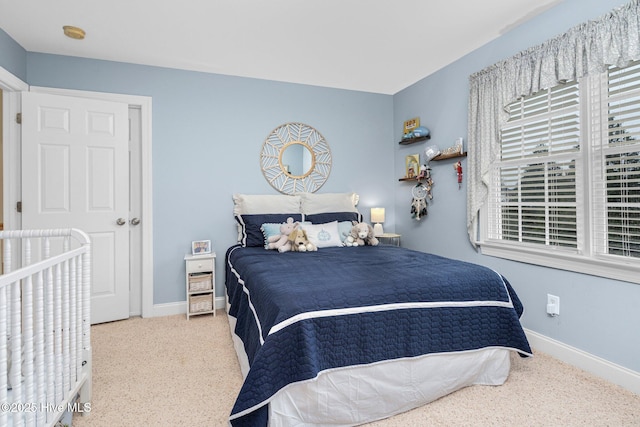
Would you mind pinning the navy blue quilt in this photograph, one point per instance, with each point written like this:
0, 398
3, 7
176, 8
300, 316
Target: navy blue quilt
299, 313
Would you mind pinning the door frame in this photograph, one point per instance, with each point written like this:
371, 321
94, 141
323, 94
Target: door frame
12, 187
12, 86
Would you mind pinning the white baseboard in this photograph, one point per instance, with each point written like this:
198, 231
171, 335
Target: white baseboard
180, 307
169, 309
595, 365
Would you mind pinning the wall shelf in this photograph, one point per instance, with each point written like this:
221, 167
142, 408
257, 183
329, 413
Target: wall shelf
448, 156
414, 140
437, 158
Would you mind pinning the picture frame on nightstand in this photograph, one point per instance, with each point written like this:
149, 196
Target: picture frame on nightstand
201, 247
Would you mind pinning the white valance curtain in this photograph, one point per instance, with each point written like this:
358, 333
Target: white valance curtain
614, 39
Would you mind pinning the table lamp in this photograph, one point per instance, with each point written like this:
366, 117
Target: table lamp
377, 216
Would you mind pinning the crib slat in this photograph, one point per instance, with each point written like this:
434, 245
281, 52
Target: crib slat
57, 333
65, 306
28, 372
48, 338
73, 334
7, 247
41, 392
4, 395
15, 338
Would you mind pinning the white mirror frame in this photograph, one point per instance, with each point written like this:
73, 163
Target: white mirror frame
277, 174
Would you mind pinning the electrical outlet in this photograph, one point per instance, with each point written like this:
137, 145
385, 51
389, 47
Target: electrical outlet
553, 305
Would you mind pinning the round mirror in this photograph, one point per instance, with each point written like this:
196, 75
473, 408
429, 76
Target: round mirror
295, 158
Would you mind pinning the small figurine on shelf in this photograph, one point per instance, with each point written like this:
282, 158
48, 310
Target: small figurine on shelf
458, 168
407, 136
425, 172
431, 152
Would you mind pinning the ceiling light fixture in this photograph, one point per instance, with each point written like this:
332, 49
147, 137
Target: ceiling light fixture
73, 32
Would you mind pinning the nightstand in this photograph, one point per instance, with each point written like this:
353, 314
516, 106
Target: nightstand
389, 239
200, 281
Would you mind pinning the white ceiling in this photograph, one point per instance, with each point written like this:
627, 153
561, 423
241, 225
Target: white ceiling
379, 46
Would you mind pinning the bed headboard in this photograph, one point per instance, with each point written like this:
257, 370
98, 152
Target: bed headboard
306, 203
252, 210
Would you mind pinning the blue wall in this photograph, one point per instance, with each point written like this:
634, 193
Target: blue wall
12, 56
598, 315
208, 131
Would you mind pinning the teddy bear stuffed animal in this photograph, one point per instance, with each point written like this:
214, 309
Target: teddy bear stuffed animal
361, 234
300, 242
281, 242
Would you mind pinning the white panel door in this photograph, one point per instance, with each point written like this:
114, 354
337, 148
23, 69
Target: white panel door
75, 173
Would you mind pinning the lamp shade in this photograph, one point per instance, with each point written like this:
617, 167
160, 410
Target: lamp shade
377, 215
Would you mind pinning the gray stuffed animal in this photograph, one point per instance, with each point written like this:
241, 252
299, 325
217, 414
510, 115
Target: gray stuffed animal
361, 235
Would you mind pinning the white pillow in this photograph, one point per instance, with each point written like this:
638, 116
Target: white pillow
323, 235
265, 204
313, 203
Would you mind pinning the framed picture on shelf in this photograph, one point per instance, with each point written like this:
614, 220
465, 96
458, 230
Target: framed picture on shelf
411, 124
412, 163
201, 247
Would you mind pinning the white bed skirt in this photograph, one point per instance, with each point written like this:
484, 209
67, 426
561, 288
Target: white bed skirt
365, 393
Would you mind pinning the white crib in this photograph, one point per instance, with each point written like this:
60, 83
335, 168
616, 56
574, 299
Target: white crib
45, 360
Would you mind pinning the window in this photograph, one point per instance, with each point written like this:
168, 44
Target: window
565, 191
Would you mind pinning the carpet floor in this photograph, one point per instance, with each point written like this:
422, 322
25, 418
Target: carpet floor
168, 371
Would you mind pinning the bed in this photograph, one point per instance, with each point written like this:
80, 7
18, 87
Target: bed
345, 336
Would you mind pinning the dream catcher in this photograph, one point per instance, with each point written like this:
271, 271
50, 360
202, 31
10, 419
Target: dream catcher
419, 201
421, 192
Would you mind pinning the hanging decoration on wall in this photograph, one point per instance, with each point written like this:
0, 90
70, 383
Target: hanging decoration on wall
421, 192
419, 202
458, 168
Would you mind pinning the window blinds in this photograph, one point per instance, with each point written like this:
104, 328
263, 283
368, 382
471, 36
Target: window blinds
616, 165
536, 187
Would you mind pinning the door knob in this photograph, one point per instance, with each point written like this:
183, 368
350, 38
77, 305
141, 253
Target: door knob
121, 221
135, 221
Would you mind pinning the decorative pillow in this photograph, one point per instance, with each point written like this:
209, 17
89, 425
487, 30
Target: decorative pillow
323, 235
344, 228
273, 229
313, 203
250, 233
321, 218
265, 204
270, 229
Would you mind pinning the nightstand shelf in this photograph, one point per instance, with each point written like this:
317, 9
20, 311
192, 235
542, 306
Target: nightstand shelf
200, 281
389, 239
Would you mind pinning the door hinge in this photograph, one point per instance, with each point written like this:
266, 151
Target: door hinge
19, 118
19, 206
